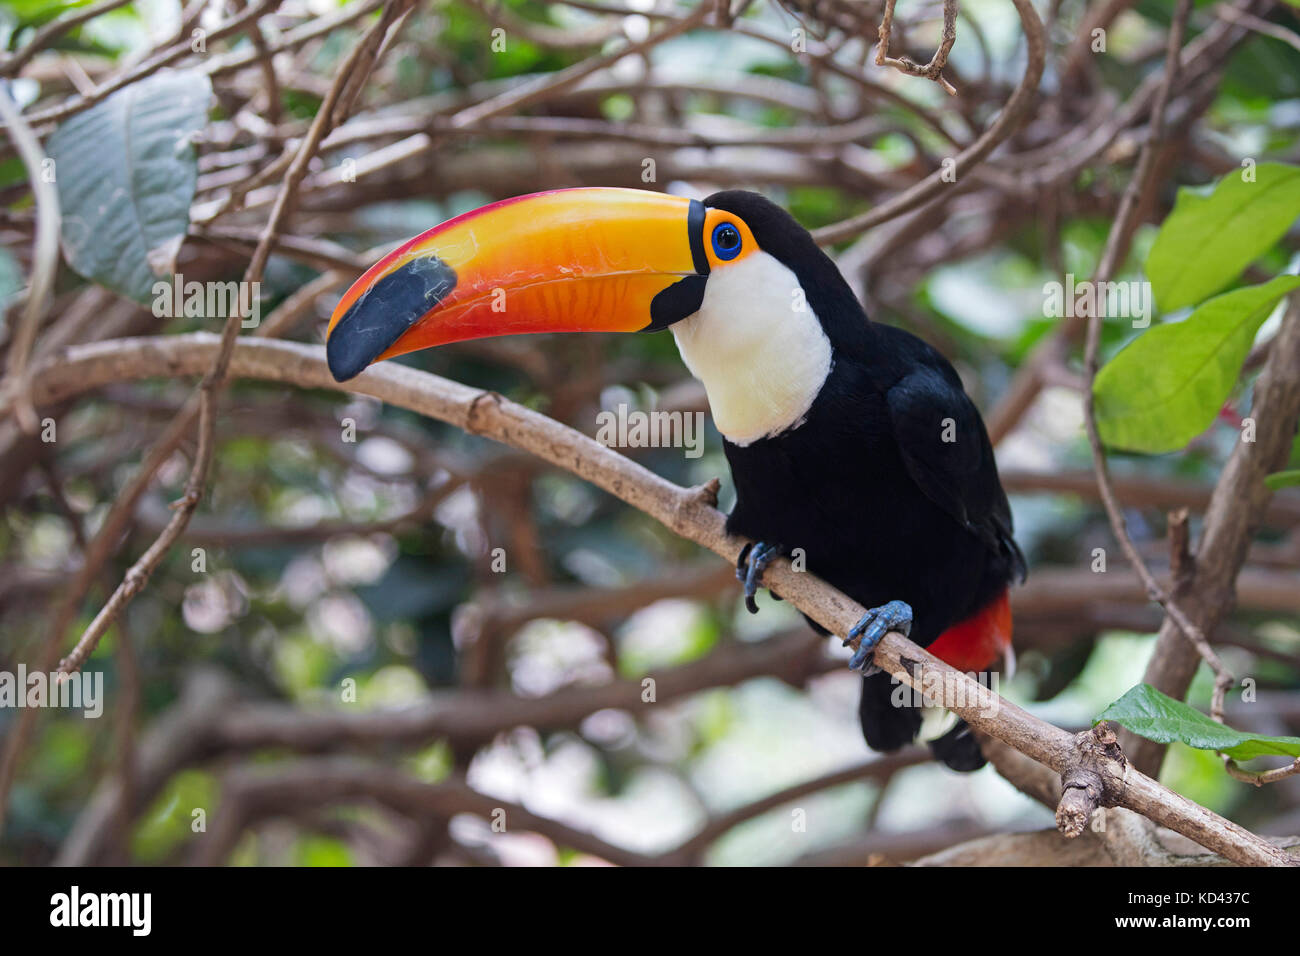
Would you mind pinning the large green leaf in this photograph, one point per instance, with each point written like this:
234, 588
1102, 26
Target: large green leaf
35, 13
1156, 716
1166, 386
1207, 241
126, 171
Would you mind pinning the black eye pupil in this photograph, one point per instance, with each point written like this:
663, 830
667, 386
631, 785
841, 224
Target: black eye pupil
726, 241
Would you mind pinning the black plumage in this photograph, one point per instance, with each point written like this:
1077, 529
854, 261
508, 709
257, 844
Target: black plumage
874, 463
889, 485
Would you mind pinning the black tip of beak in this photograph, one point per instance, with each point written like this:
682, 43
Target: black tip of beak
384, 312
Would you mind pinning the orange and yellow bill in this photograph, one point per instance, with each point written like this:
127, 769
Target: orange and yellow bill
568, 260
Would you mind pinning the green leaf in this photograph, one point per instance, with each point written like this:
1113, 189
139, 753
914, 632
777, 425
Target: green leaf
1207, 241
1156, 716
1283, 479
167, 824
126, 171
1166, 386
35, 13
317, 850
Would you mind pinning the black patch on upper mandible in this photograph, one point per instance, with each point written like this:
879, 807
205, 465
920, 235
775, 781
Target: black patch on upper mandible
384, 312
684, 297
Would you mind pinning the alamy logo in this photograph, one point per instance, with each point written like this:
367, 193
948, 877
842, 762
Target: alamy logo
208, 300
1109, 300
934, 690
624, 428
38, 689
134, 910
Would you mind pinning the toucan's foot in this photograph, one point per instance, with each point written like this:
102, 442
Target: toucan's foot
749, 568
875, 624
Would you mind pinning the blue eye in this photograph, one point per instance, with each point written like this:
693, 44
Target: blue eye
726, 241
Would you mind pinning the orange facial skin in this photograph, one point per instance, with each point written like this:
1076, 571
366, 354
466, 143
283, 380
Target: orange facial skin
716, 217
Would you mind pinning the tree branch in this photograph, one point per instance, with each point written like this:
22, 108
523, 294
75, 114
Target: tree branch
932, 70
1008, 121
1235, 511
687, 512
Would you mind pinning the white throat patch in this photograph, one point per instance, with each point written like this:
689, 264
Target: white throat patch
757, 347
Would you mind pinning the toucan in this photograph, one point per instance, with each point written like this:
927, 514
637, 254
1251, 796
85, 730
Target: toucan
851, 443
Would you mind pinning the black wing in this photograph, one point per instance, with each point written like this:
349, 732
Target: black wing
946, 450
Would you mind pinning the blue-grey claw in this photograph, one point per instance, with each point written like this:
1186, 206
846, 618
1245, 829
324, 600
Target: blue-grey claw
875, 624
749, 568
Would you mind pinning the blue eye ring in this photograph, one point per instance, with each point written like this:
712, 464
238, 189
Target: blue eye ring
726, 241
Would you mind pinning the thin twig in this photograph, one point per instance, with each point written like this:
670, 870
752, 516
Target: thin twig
267, 64
932, 70
553, 83
214, 381
45, 256
56, 114
47, 34
1109, 263
688, 512
1008, 121
1259, 25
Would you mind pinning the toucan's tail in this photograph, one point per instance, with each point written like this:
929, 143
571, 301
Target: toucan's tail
974, 644
885, 724
958, 749
888, 724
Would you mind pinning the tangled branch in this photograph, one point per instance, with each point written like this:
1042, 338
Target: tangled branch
690, 513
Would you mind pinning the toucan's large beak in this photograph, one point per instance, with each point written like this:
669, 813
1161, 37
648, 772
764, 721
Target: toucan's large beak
569, 260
